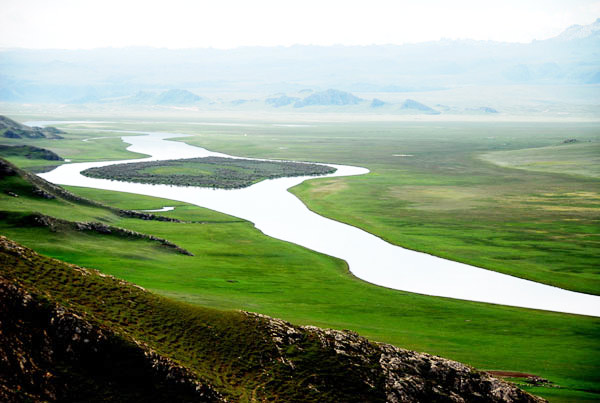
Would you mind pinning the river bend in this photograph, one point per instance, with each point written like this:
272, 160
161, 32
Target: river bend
279, 214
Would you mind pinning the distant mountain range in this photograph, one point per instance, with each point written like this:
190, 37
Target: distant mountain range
580, 32
172, 97
174, 77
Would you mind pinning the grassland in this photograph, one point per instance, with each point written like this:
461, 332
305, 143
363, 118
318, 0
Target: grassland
235, 266
571, 159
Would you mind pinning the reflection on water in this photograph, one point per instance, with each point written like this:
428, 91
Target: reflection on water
279, 214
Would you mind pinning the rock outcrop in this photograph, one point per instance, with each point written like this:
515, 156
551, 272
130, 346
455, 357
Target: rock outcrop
49, 353
406, 376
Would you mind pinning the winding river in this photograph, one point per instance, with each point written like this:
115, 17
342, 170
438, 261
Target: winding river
279, 214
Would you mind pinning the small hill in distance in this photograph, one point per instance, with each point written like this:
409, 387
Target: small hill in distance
281, 100
329, 97
15, 130
411, 104
172, 97
376, 103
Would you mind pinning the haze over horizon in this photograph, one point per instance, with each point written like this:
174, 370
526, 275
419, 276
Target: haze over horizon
67, 24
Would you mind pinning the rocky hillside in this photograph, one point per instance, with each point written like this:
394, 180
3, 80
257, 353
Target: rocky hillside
51, 353
74, 334
15, 130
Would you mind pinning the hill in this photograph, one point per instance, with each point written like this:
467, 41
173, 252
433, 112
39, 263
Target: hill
117, 342
177, 97
15, 130
172, 97
411, 104
329, 97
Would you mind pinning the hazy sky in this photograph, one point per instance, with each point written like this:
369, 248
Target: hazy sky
227, 23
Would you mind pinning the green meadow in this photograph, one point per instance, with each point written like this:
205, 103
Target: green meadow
428, 189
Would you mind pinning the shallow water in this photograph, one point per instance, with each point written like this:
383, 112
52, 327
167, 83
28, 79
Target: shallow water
279, 214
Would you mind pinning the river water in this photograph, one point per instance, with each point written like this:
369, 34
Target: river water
279, 214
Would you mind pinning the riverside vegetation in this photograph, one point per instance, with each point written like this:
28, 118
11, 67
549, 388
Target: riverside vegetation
308, 288
215, 172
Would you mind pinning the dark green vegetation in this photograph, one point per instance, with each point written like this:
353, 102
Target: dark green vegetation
14, 130
216, 172
236, 267
429, 190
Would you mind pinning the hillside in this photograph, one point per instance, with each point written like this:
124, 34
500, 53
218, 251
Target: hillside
29, 152
117, 342
15, 130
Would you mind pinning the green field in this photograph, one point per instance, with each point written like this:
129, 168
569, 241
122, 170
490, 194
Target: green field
570, 159
442, 199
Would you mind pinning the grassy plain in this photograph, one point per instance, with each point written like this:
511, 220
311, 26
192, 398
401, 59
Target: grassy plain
573, 159
236, 267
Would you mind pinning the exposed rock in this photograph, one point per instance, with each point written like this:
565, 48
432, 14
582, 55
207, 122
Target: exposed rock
408, 376
538, 381
50, 353
43, 194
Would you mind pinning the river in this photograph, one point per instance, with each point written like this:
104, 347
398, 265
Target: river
279, 214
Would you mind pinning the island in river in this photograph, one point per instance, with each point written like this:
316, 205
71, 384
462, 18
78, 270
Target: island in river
215, 172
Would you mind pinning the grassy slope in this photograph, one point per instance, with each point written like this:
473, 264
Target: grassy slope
111, 147
225, 348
